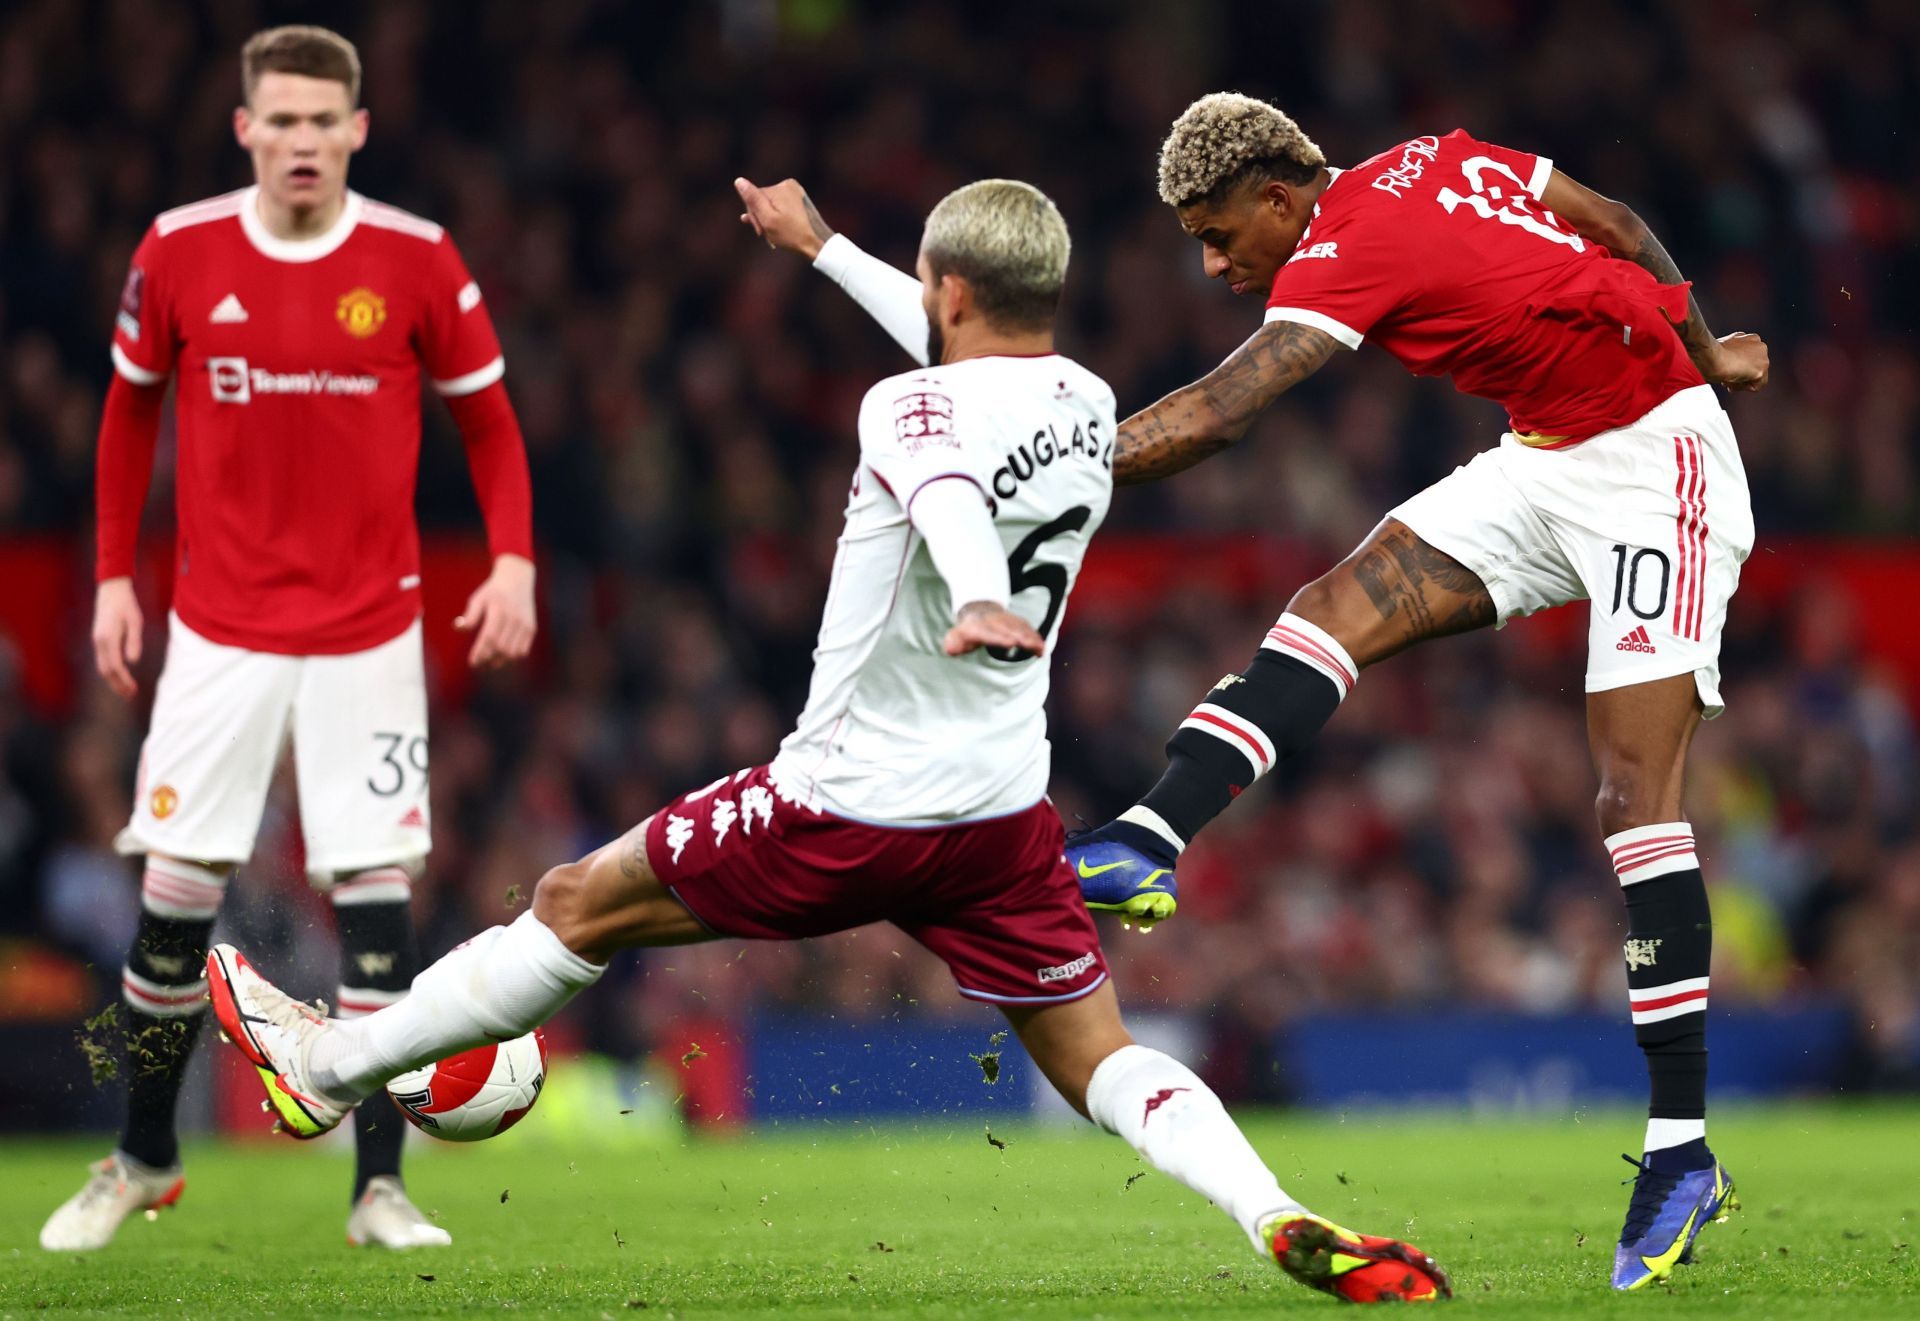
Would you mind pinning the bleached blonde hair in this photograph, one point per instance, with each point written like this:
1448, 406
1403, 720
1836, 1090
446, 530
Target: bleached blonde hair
1225, 138
1008, 240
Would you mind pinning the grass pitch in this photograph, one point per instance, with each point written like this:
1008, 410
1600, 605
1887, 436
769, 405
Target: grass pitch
828, 1221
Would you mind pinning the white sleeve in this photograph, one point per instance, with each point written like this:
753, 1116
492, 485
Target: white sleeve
951, 515
889, 296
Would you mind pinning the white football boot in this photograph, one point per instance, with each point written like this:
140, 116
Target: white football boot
120, 1186
276, 1033
385, 1218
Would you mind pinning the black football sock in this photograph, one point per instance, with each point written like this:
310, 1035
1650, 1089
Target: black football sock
1669, 951
1248, 724
164, 985
378, 959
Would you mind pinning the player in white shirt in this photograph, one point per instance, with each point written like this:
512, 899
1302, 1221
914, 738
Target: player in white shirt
895, 730
914, 789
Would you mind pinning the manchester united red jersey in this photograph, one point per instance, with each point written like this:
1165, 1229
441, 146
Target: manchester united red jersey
298, 410
1440, 251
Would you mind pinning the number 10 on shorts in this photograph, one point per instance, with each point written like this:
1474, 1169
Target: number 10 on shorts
1641, 579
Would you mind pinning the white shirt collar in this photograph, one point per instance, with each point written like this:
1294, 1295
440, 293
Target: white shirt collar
1333, 177
313, 249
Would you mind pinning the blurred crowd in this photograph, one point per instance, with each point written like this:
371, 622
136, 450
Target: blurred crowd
688, 399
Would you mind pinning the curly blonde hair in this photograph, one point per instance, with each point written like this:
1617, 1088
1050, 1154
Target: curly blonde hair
1224, 138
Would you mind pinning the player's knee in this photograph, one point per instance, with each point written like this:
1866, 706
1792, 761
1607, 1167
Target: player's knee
1337, 604
564, 901
1628, 798
1316, 603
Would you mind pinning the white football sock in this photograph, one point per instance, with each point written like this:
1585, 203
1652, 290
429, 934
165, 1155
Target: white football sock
1664, 1133
503, 983
1174, 1120
1142, 815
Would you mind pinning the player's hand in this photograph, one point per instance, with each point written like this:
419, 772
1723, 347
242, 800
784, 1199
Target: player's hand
117, 630
784, 216
984, 624
1739, 362
500, 614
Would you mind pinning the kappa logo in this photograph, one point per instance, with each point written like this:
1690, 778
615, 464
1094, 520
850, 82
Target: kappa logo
724, 814
228, 311
1159, 1099
756, 804
1636, 641
1641, 953
679, 831
1066, 972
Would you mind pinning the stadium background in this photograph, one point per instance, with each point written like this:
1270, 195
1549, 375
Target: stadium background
1428, 883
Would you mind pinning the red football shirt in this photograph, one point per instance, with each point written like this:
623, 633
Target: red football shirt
298, 412
1439, 250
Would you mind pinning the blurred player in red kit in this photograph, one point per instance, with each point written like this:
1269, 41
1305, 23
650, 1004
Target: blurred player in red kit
298, 319
1618, 482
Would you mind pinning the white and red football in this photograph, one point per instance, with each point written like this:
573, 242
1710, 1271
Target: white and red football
476, 1094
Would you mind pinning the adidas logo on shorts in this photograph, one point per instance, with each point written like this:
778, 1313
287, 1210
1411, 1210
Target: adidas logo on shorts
1636, 641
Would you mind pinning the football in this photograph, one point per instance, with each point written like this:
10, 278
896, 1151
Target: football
476, 1094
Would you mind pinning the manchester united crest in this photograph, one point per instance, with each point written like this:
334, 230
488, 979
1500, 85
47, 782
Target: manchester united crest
361, 312
165, 800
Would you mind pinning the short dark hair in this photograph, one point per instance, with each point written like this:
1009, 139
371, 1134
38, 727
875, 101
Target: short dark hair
311, 52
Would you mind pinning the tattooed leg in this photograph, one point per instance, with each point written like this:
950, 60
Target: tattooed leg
1392, 592
1389, 594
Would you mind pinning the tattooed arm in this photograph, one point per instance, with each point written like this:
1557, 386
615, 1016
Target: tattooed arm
1209, 415
1737, 361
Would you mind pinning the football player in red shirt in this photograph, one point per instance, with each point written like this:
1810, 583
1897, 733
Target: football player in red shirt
297, 319
1618, 482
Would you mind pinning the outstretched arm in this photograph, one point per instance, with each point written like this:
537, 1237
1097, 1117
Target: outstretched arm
1737, 361
787, 219
1209, 415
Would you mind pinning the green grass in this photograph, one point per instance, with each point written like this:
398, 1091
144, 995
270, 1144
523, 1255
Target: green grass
791, 1222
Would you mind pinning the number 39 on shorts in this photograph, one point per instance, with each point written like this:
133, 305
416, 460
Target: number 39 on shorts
397, 757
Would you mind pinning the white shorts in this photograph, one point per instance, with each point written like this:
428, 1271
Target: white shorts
1650, 522
220, 719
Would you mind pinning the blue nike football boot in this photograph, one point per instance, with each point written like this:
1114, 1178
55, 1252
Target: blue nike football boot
1668, 1211
1125, 869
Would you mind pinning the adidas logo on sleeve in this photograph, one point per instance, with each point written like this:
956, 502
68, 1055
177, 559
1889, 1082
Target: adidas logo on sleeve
1636, 641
